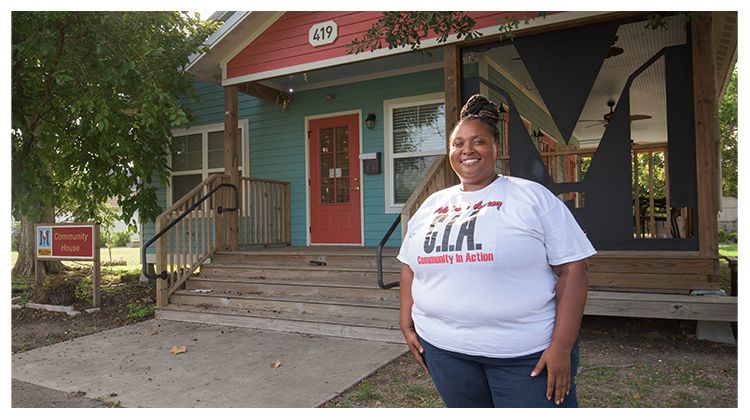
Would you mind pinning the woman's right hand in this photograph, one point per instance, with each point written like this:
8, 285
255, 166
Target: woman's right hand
415, 347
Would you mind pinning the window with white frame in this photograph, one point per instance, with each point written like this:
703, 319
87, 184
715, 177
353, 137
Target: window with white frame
414, 139
197, 153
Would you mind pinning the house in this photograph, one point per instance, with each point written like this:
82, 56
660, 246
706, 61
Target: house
311, 156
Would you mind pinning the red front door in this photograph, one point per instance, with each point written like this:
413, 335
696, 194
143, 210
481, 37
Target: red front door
335, 214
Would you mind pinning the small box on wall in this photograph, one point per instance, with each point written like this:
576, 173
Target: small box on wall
370, 163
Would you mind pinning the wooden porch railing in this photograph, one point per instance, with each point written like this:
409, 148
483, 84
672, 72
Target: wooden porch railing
652, 208
192, 240
264, 216
653, 215
440, 175
265, 212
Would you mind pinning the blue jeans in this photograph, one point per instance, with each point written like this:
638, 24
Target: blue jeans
475, 381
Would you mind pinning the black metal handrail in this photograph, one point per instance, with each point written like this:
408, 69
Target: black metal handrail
220, 209
379, 251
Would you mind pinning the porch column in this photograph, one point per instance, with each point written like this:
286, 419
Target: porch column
452, 74
231, 161
707, 147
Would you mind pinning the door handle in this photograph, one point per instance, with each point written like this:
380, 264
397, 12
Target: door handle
356, 186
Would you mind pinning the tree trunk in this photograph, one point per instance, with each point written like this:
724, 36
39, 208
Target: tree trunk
25, 264
26, 245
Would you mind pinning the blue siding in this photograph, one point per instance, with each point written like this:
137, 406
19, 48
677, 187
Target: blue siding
277, 139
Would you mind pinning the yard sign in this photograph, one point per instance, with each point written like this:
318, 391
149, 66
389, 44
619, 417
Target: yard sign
69, 242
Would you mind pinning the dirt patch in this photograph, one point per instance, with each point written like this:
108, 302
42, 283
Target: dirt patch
124, 301
27, 395
625, 362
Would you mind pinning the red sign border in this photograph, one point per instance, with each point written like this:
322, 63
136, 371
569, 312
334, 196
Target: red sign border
94, 238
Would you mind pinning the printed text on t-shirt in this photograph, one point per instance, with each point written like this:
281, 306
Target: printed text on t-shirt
445, 219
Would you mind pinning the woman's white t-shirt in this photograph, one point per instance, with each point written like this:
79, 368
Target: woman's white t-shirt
483, 284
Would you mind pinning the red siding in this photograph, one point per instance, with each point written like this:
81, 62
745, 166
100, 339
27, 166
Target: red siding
285, 42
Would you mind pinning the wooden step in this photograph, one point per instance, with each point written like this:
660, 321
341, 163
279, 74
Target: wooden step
301, 305
665, 306
322, 274
296, 289
321, 290
349, 327
332, 258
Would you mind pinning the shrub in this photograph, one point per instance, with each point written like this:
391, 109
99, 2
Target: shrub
56, 289
727, 237
138, 311
114, 263
121, 239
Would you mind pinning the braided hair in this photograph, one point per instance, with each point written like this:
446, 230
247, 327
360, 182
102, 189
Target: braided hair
479, 107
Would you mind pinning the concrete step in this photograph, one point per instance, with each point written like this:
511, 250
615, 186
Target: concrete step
342, 292
311, 257
327, 275
384, 311
349, 327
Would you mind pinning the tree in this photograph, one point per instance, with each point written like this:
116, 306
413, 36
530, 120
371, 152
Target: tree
107, 219
398, 29
94, 97
728, 134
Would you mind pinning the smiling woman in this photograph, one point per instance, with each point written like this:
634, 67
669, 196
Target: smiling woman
493, 282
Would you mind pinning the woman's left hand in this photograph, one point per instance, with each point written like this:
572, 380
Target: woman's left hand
557, 362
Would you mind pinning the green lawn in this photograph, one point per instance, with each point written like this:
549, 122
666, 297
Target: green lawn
728, 250
130, 255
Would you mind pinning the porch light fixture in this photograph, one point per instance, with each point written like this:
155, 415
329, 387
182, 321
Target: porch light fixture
370, 121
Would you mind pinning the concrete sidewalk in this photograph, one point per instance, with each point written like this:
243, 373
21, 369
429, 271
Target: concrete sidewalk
223, 366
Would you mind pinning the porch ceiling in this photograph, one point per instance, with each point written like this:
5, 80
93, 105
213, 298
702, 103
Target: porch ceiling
361, 70
648, 95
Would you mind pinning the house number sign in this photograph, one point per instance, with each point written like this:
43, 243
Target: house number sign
323, 33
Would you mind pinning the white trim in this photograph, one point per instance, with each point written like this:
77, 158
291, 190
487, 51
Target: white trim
205, 170
388, 106
308, 202
367, 55
228, 26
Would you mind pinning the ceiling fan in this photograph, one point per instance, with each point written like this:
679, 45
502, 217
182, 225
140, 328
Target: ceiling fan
613, 50
605, 118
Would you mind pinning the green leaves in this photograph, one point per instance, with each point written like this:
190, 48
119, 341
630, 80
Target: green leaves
399, 29
94, 98
728, 117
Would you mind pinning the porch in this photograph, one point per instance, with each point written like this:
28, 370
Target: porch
334, 291
344, 290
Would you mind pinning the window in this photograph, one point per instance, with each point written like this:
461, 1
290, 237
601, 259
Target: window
198, 153
415, 137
